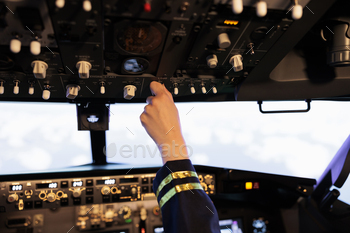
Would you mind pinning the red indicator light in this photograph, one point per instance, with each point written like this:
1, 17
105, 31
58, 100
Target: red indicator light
147, 7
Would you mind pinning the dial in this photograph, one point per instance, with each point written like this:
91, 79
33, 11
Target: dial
125, 212
139, 38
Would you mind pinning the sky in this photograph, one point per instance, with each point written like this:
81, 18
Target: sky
231, 134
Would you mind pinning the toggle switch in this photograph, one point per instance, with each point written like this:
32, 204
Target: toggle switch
2, 88
261, 8
102, 88
224, 41
250, 46
214, 90
35, 47
237, 6
84, 69
212, 60
60, 3
72, 91
15, 45
46, 92
87, 5
16, 87
192, 89
176, 89
204, 90
31, 90
297, 11
129, 92
236, 62
39, 69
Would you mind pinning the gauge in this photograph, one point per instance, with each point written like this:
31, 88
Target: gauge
139, 38
124, 212
135, 65
260, 225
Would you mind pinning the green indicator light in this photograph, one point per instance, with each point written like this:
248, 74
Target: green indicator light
128, 220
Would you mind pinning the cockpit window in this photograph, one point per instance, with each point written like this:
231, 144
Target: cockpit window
236, 135
38, 136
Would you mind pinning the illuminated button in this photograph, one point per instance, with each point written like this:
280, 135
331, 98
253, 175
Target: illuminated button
89, 200
64, 184
89, 182
147, 7
89, 191
145, 180
38, 204
106, 199
248, 185
76, 201
64, 201
145, 189
256, 185
129, 220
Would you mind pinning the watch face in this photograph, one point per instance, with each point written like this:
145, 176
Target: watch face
139, 38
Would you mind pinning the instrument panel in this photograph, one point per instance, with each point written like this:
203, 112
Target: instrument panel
115, 198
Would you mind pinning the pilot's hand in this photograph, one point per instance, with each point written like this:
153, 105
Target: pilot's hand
161, 120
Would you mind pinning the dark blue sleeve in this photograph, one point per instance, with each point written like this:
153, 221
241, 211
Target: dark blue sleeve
184, 205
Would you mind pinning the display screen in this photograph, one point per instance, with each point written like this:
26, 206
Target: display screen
226, 226
47, 186
108, 182
18, 187
77, 183
129, 180
231, 225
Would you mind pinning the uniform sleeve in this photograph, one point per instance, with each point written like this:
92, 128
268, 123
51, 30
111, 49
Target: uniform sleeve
184, 204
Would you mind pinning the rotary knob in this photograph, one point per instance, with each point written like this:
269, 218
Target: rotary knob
236, 62
223, 41
212, 60
129, 92
51, 197
76, 192
84, 69
12, 197
39, 69
72, 91
105, 190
